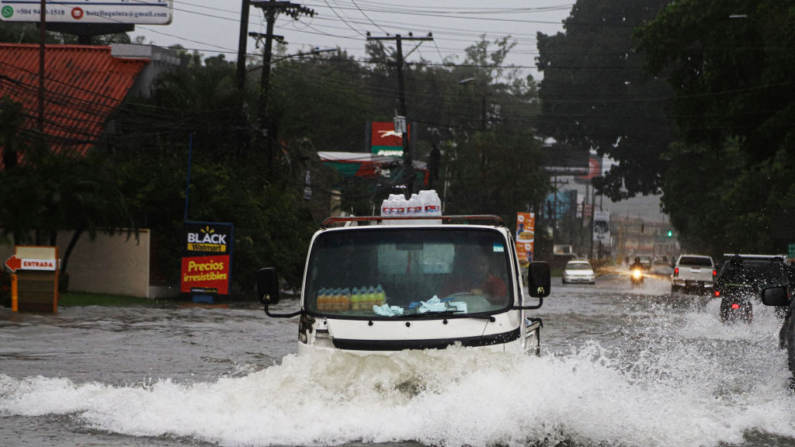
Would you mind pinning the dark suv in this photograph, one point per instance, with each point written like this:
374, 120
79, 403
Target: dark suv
741, 279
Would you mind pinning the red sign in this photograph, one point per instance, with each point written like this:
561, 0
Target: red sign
205, 272
384, 140
594, 169
14, 263
525, 236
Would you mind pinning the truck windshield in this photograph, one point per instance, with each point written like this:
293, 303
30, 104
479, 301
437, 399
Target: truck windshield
408, 272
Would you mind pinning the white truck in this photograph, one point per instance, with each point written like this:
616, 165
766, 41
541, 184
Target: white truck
693, 273
370, 287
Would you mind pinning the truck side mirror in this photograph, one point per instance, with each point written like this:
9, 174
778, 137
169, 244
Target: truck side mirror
539, 279
267, 286
775, 296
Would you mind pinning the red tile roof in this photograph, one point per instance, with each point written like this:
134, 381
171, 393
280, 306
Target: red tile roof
83, 85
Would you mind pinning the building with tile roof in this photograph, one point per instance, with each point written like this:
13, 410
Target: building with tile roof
83, 86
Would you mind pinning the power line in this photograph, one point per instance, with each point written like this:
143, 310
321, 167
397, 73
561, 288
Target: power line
368, 18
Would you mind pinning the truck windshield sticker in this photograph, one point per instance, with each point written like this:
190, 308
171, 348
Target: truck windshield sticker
499, 248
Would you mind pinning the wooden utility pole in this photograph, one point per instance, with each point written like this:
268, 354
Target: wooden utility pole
271, 8
242, 44
593, 213
408, 167
42, 38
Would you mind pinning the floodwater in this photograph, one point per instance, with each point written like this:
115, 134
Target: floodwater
621, 367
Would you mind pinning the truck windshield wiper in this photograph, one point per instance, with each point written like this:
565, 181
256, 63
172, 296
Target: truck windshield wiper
448, 312
432, 313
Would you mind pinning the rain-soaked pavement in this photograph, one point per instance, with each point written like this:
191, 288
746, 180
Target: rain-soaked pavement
621, 366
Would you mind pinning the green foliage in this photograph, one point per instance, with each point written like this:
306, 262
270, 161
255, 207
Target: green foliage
494, 160
596, 95
314, 99
317, 103
49, 191
730, 185
229, 175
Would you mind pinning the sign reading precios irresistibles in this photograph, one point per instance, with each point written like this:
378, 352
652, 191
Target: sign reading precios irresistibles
207, 258
144, 12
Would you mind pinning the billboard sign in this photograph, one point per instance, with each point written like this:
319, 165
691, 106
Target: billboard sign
525, 236
143, 12
207, 257
601, 226
205, 274
385, 141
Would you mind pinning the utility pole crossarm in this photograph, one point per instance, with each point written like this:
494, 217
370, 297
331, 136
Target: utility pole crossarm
401, 38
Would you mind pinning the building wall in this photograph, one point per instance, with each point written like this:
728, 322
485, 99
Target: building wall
161, 60
108, 264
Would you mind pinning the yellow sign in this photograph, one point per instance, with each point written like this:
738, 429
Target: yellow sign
210, 248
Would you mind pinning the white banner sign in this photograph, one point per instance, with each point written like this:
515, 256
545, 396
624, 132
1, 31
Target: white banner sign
601, 226
144, 12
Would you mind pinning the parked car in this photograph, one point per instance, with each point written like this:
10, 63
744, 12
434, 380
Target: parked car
694, 273
579, 272
742, 278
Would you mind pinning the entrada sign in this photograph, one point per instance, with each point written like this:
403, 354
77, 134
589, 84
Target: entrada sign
14, 263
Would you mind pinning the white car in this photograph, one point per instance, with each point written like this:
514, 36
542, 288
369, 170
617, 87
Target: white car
693, 273
579, 272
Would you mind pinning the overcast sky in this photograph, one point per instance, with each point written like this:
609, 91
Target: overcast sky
212, 26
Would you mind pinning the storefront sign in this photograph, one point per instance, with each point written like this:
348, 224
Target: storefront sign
525, 236
207, 258
384, 140
205, 274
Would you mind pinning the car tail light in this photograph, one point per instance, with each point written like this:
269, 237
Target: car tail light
714, 273
717, 293
735, 306
676, 272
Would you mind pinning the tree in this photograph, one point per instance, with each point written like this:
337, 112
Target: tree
596, 95
730, 65
229, 180
494, 161
46, 191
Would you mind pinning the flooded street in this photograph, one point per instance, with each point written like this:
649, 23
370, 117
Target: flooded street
620, 366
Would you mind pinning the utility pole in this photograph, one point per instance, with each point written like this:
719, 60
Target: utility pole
242, 44
271, 8
593, 214
42, 38
408, 168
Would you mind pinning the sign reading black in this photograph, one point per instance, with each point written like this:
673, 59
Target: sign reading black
207, 238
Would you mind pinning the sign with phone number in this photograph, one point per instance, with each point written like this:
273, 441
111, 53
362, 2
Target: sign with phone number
144, 12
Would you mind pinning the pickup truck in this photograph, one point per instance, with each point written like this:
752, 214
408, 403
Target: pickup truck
384, 284
694, 273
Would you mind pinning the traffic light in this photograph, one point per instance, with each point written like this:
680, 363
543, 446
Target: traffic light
670, 233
